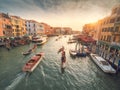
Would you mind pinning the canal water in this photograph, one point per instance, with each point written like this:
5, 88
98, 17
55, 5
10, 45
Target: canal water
80, 73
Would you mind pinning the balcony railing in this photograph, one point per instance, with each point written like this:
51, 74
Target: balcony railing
116, 33
115, 43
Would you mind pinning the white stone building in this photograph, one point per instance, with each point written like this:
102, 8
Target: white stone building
34, 27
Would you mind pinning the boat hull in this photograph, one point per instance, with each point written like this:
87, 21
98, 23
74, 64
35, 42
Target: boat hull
29, 51
72, 53
103, 64
41, 43
33, 63
26, 53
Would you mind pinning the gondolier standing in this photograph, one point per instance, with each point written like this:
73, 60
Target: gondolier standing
63, 59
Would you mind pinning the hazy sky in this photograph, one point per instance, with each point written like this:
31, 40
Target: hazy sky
63, 13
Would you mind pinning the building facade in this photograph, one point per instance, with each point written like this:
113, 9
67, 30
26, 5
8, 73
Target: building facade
106, 30
18, 26
48, 30
34, 27
108, 35
5, 25
110, 28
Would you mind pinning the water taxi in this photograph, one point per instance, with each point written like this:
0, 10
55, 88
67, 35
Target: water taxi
102, 63
33, 62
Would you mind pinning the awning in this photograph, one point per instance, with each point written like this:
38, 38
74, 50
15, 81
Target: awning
104, 43
115, 47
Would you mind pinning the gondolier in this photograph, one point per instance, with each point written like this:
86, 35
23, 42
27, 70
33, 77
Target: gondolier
63, 58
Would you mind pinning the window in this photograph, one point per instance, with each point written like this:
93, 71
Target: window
114, 38
101, 37
108, 38
104, 38
116, 29
118, 19
119, 11
4, 32
114, 11
17, 26
34, 25
108, 29
111, 29
17, 30
112, 20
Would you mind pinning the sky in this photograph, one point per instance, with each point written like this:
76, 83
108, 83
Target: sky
60, 13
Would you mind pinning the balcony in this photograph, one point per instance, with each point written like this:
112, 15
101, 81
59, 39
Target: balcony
116, 33
115, 43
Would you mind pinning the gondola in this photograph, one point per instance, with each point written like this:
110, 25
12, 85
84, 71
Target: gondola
30, 50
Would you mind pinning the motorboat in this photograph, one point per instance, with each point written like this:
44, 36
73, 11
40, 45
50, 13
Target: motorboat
72, 52
35, 38
41, 41
102, 63
33, 62
71, 41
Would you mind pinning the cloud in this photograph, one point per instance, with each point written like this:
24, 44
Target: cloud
73, 13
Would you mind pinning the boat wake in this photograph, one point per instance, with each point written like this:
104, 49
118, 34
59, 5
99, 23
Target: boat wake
16, 81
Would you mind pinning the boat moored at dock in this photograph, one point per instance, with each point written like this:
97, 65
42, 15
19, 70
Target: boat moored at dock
103, 64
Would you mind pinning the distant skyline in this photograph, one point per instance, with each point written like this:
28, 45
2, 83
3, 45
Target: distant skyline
62, 13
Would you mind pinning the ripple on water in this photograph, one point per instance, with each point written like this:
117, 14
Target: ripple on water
80, 73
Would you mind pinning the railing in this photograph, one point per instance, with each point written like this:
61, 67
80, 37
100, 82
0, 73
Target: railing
115, 43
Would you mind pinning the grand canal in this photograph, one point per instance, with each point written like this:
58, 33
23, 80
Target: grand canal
80, 73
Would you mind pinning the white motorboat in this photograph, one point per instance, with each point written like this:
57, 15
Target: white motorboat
103, 64
41, 41
72, 52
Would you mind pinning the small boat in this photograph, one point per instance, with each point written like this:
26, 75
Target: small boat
76, 53
41, 41
35, 38
71, 40
27, 53
72, 52
33, 63
103, 64
30, 50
